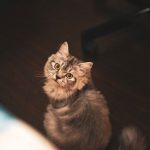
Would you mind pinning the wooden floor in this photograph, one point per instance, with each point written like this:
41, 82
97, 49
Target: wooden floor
32, 30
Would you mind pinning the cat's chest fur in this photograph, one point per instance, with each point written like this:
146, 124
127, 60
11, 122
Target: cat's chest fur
86, 115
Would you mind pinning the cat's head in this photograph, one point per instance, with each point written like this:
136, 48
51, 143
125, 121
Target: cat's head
65, 73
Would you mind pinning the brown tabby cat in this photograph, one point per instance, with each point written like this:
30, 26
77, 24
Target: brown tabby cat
77, 117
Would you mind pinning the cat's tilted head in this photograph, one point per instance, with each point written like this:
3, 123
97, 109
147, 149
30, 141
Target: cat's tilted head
65, 74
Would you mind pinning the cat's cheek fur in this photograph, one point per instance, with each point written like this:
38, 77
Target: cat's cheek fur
81, 82
46, 72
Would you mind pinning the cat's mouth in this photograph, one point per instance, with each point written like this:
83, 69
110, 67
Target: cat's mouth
54, 77
59, 81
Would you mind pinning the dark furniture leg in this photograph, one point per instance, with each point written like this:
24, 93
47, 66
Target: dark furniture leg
88, 36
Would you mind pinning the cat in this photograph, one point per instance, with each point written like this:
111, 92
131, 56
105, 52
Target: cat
77, 116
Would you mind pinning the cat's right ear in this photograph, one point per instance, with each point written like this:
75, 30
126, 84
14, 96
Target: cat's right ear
63, 50
85, 67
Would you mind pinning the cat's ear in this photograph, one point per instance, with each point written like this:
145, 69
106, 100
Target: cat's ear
63, 50
85, 66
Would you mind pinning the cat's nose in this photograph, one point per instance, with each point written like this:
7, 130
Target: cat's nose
58, 77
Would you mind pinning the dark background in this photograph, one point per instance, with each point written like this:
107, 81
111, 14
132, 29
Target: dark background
30, 30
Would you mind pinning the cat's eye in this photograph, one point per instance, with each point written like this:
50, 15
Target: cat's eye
69, 75
57, 66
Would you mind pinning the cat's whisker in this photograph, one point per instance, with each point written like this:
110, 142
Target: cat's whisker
39, 75
42, 80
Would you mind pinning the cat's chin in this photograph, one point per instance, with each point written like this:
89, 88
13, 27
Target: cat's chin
53, 89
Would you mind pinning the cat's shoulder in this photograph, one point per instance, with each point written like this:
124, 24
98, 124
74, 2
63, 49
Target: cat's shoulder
94, 94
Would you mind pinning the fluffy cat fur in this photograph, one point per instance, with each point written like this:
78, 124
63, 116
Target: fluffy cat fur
77, 117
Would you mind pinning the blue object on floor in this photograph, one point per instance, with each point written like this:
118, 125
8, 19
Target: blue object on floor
6, 119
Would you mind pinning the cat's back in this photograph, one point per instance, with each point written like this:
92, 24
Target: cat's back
99, 115
96, 99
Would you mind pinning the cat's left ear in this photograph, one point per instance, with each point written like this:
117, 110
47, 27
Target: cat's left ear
85, 66
63, 50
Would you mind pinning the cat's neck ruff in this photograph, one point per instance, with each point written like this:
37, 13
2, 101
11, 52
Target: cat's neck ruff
65, 102
55, 92
56, 104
